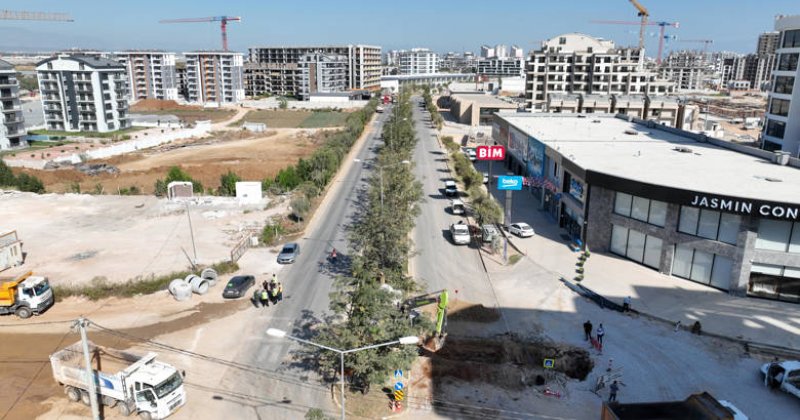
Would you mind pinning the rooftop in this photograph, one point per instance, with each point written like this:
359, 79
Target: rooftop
89, 60
5, 65
482, 99
638, 151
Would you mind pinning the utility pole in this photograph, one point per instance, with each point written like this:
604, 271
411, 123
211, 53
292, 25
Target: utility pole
191, 232
80, 323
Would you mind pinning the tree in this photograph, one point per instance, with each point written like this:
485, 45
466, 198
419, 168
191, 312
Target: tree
283, 103
7, 178
300, 206
227, 183
29, 183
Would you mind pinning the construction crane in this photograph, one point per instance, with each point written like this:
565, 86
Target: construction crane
644, 14
661, 36
705, 42
22, 15
223, 24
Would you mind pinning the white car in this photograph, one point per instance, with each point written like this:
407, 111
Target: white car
486, 177
523, 230
460, 233
457, 207
472, 155
450, 188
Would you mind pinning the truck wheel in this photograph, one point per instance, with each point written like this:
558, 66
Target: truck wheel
73, 394
109, 402
24, 312
124, 409
145, 415
85, 398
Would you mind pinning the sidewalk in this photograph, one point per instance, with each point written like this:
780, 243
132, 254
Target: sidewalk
652, 293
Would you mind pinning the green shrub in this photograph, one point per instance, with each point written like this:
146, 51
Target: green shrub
227, 183
300, 207
271, 233
29, 183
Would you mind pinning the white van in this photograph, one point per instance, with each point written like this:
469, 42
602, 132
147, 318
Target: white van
457, 206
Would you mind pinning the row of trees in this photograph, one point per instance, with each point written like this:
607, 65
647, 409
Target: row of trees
22, 182
436, 118
364, 312
486, 209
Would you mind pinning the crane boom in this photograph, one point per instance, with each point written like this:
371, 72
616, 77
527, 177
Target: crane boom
23, 15
223, 24
644, 14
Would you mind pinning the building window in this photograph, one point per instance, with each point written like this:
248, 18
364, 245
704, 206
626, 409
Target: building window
775, 282
709, 224
783, 84
648, 211
775, 129
636, 246
779, 107
788, 62
791, 39
703, 267
778, 235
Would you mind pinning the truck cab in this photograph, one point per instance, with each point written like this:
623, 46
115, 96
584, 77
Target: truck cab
783, 375
25, 295
158, 390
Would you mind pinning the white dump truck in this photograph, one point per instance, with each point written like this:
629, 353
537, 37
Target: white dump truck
133, 383
784, 375
25, 295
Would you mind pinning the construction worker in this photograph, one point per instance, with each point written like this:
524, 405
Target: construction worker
280, 292
273, 292
274, 278
264, 298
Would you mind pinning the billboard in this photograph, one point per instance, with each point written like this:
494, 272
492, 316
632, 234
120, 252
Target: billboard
513, 183
536, 157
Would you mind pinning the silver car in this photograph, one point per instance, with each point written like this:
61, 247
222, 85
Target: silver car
289, 253
523, 230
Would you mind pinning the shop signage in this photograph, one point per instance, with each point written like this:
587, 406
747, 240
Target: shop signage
490, 152
776, 211
576, 189
513, 183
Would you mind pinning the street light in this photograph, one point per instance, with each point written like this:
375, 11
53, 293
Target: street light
410, 340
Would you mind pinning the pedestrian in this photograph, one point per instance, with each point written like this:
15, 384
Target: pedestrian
273, 292
626, 304
265, 285
600, 333
587, 330
274, 278
264, 298
280, 292
612, 395
257, 297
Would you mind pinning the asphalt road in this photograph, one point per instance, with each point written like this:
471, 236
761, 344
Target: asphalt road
438, 263
307, 284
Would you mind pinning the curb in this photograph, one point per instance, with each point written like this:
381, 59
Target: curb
748, 345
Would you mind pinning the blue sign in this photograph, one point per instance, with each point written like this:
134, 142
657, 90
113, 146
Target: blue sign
398, 373
549, 363
398, 386
513, 183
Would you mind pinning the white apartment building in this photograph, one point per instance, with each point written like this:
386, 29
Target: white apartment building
688, 69
516, 52
12, 123
325, 73
487, 51
504, 67
782, 123
83, 93
500, 51
578, 63
418, 61
214, 77
151, 74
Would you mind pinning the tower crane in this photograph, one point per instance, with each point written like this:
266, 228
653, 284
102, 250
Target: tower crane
705, 42
23, 15
644, 14
661, 35
223, 24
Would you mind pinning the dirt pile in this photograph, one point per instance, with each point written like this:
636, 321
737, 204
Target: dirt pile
471, 312
506, 361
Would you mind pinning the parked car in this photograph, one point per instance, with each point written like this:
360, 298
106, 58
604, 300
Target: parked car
237, 286
523, 230
486, 177
450, 188
460, 233
489, 232
457, 206
471, 154
289, 253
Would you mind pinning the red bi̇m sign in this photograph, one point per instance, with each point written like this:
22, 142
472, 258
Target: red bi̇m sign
490, 153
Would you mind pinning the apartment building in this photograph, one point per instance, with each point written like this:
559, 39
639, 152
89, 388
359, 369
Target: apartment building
418, 61
503, 67
12, 123
516, 52
767, 43
214, 77
487, 51
662, 109
578, 63
151, 74
458, 62
325, 73
83, 93
689, 70
782, 127
276, 70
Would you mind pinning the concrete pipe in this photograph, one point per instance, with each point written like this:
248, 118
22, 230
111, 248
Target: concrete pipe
209, 275
180, 290
199, 285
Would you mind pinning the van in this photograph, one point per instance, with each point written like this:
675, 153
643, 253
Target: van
457, 207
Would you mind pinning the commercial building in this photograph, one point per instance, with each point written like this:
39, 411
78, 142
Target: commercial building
477, 108
782, 126
418, 61
395, 82
503, 67
151, 74
322, 73
685, 204
578, 63
664, 110
83, 93
214, 77
12, 122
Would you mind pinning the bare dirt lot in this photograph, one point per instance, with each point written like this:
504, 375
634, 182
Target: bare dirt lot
253, 159
189, 114
296, 119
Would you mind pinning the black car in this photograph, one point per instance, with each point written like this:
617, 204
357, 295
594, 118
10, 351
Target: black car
237, 286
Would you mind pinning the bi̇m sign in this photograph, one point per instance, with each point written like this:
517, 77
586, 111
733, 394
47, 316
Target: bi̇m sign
490, 153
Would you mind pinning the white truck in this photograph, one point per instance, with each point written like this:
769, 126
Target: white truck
25, 295
133, 383
784, 375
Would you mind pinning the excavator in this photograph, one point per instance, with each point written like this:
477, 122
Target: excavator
435, 341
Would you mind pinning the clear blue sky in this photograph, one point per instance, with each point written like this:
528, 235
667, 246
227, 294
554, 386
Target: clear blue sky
442, 25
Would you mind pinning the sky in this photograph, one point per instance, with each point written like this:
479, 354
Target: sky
441, 25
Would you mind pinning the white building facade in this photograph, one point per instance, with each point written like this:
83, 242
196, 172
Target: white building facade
782, 123
12, 122
151, 74
504, 67
83, 93
418, 61
214, 77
